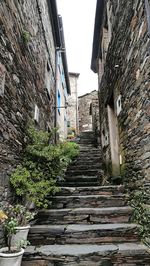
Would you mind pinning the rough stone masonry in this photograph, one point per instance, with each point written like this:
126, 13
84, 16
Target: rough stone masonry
124, 64
27, 59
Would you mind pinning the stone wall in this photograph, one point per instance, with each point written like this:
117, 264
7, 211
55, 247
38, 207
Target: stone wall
72, 109
85, 110
27, 78
126, 82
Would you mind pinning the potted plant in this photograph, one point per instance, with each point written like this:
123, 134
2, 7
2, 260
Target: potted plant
10, 255
22, 216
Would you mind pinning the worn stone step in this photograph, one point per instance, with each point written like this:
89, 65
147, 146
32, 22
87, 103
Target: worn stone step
87, 172
88, 156
89, 150
127, 254
78, 184
89, 147
87, 201
98, 190
86, 161
86, 141
83, 234
84, 215
81, 178
87, 133
86, 166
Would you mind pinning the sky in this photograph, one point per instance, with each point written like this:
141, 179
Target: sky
78, 21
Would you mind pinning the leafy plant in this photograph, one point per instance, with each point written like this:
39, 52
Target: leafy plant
140, 201
43, 163
25, 37
20, 213
70, 149
10, 225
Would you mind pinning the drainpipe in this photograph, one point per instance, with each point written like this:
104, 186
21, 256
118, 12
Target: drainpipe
56, 85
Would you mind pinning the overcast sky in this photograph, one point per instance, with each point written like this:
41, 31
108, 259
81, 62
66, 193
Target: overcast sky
78, 20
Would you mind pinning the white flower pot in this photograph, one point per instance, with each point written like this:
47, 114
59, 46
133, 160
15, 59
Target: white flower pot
10, 259
21, 234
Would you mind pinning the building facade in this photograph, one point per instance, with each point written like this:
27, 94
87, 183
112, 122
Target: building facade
87, 111
72, 109
121, 58
62, 87
30, 42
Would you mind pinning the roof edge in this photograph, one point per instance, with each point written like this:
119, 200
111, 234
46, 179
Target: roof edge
97, 29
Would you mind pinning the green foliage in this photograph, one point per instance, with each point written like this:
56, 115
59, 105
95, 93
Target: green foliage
23, 244
25, 37
140, 201
10, 229
70, 149
20, 213
43, 163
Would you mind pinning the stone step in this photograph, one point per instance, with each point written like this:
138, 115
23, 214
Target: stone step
87, 133
88, 155
83, 234
89, 147
86, 141
86, 166
86, 161
84, 215
89, 150
87, 201
79, 178
78, 184
87, 172
98, 190
127, 254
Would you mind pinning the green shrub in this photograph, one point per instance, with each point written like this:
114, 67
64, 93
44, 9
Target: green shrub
70, 149
140, 201
43, 163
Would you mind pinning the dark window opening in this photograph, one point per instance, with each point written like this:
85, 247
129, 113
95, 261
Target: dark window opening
48, 66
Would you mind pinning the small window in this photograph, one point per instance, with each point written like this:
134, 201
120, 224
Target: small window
36, 114
48, 66
119, 105
68, 123
58, 102
90, 113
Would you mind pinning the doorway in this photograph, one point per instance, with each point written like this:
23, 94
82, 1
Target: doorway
114, 137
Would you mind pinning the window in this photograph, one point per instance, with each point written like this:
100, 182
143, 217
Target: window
119, 105
36, 114
48, 66
58, 102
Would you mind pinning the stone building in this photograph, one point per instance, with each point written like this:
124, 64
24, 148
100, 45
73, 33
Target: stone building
72, 109
62, 87
87, 111
121, 58
30, 41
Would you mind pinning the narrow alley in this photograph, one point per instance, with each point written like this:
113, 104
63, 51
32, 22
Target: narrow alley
74, 133
87, 224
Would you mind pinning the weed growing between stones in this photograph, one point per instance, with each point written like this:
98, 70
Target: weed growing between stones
25, 37
43, 164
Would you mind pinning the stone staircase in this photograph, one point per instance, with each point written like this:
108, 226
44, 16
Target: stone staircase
86, 224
